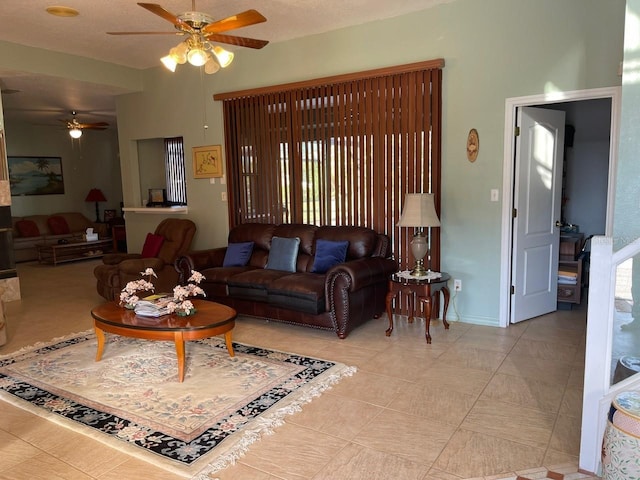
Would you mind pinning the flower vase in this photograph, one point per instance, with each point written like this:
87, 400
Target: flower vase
186, 313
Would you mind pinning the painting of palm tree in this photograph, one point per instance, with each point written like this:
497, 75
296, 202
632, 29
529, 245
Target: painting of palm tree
35, 176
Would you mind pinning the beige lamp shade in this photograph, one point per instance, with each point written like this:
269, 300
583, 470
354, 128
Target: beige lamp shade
419, 211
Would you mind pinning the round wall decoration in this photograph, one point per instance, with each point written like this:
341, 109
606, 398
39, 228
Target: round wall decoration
473, 145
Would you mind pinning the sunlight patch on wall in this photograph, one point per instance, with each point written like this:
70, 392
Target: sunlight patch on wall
631, 64
631, 31
567, 69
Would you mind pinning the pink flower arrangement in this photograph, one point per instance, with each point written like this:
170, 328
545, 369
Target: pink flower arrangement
179, 304
129, 294
181, 293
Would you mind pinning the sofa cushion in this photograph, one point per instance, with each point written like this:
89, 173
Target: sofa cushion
79, 223
306, 233
362, 241
258, 233
304, 292
237, 254
252, 284
328, 254
58, 225
27, 228
283, 254
152, 245
216, 279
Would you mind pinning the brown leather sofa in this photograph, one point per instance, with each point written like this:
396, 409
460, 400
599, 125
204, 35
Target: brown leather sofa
347, 295
118, 269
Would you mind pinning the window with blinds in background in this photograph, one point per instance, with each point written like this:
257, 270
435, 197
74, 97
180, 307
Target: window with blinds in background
175, 171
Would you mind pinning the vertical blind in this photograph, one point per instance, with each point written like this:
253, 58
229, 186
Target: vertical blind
175, 171
337, 151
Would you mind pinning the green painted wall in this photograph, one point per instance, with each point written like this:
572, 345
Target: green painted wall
493, 49
626, 226
91, 161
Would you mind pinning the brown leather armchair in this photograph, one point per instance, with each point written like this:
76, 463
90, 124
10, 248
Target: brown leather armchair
120, 268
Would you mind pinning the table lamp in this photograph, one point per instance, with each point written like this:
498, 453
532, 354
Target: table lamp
96, 195
419, 212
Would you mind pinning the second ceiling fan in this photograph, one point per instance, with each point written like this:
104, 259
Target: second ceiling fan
201, 29
75, 127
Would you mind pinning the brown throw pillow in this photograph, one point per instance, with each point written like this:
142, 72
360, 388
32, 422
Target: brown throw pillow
27, 228
58, 225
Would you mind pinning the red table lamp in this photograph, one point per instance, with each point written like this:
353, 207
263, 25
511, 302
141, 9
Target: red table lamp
96, 195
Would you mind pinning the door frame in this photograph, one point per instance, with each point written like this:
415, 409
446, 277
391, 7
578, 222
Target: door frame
508, 173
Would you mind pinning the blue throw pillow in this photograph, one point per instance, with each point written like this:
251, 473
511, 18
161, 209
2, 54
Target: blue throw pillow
237, 254
328, 254
283, 254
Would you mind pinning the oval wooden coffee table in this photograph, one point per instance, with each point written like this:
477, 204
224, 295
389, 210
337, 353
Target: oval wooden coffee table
209, 320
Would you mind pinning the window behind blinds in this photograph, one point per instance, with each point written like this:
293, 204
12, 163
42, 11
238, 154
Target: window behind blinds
175, 171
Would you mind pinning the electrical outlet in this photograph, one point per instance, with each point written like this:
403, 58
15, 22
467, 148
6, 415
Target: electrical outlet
457, 285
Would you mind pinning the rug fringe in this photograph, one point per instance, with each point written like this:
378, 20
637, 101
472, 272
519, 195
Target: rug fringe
266, 425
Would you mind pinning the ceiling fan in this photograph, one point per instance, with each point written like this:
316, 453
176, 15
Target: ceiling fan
201, 29
75, 127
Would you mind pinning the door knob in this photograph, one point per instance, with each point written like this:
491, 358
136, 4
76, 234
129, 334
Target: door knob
558, 223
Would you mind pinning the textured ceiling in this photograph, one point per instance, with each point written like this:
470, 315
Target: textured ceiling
45, 100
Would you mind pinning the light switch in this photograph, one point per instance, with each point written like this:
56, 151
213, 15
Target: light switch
495, 195
223, 196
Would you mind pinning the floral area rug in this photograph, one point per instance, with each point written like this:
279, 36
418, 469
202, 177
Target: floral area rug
132, 399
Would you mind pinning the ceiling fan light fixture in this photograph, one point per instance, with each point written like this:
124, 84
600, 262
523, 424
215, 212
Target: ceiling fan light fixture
75, 132
179, 53
211, 66
169, 62
224, 57
197, 57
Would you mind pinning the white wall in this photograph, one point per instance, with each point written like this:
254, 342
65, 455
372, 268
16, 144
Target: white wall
151, 165
626, 226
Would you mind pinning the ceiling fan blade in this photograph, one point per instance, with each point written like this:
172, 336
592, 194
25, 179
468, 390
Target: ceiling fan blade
145, 33
244, 19
91, 128
240, 41
161, 12
93, 125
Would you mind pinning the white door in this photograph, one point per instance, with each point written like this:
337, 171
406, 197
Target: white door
537, 202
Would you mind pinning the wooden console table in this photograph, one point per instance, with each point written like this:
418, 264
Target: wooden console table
425, 290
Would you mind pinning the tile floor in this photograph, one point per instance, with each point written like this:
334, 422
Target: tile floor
479, 402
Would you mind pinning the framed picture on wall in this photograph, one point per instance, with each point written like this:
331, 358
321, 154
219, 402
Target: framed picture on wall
207, 161
35, 176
